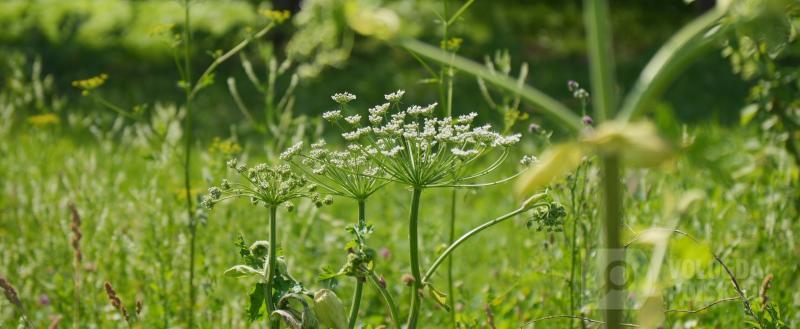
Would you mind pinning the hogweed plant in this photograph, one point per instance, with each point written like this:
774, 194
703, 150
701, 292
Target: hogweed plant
347, 173
271, 187
413, 148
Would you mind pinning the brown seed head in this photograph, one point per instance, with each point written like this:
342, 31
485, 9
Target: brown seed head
75, 227
115, 300
10, 292
765, 285
54, 321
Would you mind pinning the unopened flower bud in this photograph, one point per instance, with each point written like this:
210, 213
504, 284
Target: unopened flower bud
329, 309
259, 248
408, 279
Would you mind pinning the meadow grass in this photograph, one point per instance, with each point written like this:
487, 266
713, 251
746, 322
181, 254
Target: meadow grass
133, 236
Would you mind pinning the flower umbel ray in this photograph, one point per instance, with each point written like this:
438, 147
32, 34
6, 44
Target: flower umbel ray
412, 147
265, 185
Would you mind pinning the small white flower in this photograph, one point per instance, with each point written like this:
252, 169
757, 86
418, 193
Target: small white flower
395, 96
375, 119
419, 110
463, 153
291, 151
466, 118
379, 109
332, 116
528, 160
393, 151
507, 140
351, 136
343, 98
353, 119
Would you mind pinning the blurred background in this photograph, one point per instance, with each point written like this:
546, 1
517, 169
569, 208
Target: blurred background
77, 39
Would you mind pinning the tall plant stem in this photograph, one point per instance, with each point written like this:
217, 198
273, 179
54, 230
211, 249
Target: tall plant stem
446, 90
387, 298
272, 261
413, 241
444, 255
451, 302
573, 242
362, 222
614, 253
187, 77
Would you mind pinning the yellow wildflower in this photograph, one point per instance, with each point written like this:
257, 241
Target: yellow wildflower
227, 147
90, 83
42, 120
277, 16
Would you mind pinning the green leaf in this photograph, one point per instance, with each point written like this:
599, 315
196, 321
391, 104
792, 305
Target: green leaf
748, 113
554, 164
439, 297
241, 271
256, 301
543, 103
684, 46
651, 314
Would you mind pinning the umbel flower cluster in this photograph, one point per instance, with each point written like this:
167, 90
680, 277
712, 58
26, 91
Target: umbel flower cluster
412, 147
347, 173
265, 185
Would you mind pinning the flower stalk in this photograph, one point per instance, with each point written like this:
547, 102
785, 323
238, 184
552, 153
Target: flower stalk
272, 263
362, 222
413, 240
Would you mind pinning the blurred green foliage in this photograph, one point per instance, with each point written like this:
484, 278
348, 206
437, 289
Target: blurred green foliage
82, 38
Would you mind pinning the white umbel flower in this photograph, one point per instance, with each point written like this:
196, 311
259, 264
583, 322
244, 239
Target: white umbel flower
395, 96
343, 98
332, 116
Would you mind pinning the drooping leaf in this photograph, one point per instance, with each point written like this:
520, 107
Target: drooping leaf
329, 309
651, 314
439, 297
638, 143
289, 318
256, 301
554, 164
242, 271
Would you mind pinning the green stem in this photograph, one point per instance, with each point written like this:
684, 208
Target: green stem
599, 44
387, 297
689, 42
573, 246
450, 288
351, 322
468, 235
362, 222
613, 276
355, 304
219, 60
413, 241
272, 262
546, 104
187, 162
